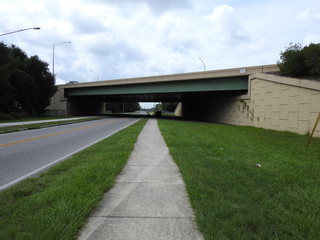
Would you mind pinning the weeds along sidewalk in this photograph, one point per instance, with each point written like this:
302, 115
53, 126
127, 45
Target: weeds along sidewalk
148, 201
56, 203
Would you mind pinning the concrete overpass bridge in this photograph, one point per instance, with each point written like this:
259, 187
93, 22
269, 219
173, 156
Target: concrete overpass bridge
250, 96
88, 98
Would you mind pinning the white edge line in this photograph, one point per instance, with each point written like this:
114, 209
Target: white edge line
60, 159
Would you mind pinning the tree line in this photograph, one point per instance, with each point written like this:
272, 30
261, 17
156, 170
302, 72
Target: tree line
297, 61
26, 84
119, 107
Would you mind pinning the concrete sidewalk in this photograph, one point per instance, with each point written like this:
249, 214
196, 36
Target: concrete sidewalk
148, 201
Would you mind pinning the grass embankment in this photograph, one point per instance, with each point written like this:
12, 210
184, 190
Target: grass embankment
30, 126
56, 204
234, 199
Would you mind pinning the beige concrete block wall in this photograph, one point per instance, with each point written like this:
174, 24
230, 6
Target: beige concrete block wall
58, 104
292, 103
273, 102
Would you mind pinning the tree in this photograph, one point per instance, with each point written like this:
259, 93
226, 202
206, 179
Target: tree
169, 106
24, 91
296, 61
43, 83
312, 58
292, 62
119, 107
6, 95
22, 83
26, 85
132, 106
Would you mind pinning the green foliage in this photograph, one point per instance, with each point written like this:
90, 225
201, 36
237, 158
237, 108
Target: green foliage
169, 106
158, 107
44, 82
6, 96
56, 203
298, 61
24, 118
119, 107
26, 85
312, 55
235, 199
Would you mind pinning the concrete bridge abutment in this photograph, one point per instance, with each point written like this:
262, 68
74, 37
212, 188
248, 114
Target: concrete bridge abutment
272, 102
253, 96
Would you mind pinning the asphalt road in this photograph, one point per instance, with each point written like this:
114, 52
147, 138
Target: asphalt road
26, 153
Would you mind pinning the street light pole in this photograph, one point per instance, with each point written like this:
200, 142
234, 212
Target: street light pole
53, 54
204, 66
96, 75
25, 29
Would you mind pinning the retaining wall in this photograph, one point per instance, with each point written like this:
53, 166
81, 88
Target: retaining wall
272, 102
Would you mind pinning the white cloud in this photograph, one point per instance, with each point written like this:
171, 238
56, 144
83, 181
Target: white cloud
303, 15
226, 26
312, 38
124, 38
165, 5
309, 15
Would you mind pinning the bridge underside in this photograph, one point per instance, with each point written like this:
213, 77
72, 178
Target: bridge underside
160, 97
88, 100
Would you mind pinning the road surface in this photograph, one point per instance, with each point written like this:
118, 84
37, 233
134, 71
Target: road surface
26, 153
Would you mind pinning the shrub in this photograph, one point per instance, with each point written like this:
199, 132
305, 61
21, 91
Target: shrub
5, 116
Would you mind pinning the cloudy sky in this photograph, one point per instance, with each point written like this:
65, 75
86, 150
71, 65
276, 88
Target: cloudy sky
112, 39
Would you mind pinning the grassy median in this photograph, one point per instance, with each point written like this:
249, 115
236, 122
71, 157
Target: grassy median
56, 204
30, 126
234, 198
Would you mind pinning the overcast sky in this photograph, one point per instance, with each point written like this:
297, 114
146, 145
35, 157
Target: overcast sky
114, 39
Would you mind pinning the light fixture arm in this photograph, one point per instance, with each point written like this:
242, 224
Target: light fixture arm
21, 30
204, 66
96, 75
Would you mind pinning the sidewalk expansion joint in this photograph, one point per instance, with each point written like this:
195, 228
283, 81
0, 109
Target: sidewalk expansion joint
136, 217
166, 183
147, 165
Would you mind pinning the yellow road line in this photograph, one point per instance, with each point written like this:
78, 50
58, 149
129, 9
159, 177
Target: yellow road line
55, 134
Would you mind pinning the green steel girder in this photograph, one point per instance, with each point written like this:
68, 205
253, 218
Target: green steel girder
199, 85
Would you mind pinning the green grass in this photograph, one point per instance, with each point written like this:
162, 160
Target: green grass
30, 126
234, 199
56, 204
26, 119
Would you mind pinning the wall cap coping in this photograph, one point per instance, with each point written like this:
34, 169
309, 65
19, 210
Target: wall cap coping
297, 82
